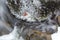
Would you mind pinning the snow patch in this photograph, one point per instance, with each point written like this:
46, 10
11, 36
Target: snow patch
56, 36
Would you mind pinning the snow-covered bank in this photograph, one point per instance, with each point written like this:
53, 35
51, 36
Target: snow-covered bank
14, 35
56, 36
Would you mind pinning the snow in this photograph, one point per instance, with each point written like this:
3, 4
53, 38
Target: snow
21, 38
14, 35
37, 3
56, 36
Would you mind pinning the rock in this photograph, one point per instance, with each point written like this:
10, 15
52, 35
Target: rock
36, 35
